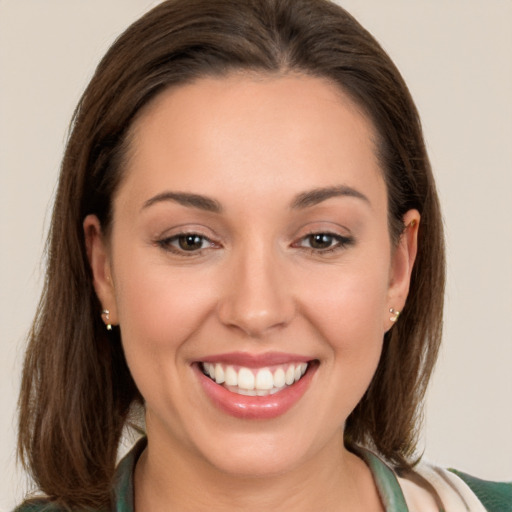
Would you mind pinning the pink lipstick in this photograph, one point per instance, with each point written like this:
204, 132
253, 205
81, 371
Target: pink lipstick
261, 386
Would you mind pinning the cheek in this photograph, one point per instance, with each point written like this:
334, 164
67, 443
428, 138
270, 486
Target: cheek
159, 312
348, 314
159, 307
351, 305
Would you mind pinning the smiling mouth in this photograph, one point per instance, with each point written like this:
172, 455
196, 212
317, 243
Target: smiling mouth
255, 381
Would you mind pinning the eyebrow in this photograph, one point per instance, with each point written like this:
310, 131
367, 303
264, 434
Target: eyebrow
191, 200
301, 201
318, 195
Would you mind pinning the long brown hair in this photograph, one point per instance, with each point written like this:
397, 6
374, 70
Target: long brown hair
77, 392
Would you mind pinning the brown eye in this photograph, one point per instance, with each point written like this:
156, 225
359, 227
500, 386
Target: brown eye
190, 242
325, 243
185, 244
321, 241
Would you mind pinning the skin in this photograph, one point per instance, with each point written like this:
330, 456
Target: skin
253, 144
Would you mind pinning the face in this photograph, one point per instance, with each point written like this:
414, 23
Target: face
250, 268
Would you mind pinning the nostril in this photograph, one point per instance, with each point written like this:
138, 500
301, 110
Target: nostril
252, 319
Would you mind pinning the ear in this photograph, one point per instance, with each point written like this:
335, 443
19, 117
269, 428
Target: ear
99, 260
402, 262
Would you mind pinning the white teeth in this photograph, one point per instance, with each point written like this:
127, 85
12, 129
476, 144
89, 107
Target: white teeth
231, 376
290, 375
219, 374
246, 392
245, 378
255, 382
264, 379
279, 378
209, 369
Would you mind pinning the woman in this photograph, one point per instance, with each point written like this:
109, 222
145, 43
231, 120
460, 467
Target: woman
246, 247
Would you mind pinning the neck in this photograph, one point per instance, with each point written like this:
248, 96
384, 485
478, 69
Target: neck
174, 479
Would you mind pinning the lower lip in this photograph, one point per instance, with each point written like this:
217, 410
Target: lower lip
255, 407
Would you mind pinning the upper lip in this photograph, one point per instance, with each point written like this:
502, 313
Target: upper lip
255, 360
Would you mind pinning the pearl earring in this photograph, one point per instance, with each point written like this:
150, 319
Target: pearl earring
106, 316
394, 314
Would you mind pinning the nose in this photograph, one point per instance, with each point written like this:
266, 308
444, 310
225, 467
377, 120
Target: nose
258, 297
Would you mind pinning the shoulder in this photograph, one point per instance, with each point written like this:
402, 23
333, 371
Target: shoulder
495, 496
38, 505
122, 492
45, 505
460, 491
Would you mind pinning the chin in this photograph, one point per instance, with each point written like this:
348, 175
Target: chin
257, 462
259, 454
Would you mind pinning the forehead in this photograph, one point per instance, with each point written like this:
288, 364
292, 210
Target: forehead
288, 132
240, 95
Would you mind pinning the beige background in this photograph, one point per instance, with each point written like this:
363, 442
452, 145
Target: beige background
456, 56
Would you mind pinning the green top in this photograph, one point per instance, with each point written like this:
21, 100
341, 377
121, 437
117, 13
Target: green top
496, 497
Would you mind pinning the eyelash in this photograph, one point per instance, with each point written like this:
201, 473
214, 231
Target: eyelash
340, 243
166, 244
